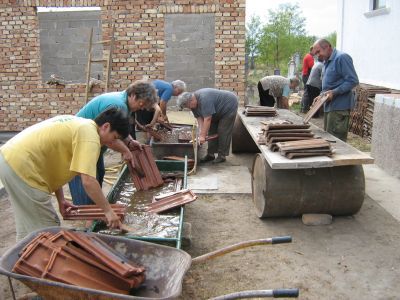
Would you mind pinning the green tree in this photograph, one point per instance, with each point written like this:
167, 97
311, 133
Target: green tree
332, 38
253, 34
283, 35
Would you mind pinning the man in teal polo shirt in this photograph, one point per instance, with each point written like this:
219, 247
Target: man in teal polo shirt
140, 95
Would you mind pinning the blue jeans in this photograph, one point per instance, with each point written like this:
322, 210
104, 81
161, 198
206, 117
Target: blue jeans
78, 193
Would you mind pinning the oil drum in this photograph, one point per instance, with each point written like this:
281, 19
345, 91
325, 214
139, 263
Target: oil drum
241, 139
292, 192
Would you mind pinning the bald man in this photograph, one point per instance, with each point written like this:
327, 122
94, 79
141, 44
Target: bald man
339, 79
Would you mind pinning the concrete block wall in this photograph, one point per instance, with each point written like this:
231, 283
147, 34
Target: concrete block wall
64, 39
190, 49
139, 52
385, 142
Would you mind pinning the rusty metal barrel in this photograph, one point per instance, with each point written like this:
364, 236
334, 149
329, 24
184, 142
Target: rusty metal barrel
293, 192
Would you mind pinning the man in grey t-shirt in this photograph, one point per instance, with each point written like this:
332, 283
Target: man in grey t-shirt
215, 111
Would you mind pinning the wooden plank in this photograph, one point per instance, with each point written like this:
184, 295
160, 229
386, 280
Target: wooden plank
109, 58
344, 154
88, 69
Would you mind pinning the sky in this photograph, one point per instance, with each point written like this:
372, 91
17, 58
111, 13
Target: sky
321, 16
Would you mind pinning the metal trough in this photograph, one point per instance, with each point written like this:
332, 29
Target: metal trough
164, 166
162, 149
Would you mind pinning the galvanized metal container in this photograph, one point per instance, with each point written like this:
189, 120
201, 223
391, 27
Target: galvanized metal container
163, 166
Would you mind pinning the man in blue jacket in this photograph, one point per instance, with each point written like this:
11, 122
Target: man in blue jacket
338, 80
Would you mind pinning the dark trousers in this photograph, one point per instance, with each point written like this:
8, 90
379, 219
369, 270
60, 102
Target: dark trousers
337, 123
305, 79
313, 92
78, 193
265, 98
310, 93
144, 117
224, 128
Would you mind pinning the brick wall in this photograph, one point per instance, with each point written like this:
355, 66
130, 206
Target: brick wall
139, 52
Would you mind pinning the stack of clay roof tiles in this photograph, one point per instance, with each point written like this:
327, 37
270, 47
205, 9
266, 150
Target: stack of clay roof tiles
361, 117
144, 172
274, 133
255, 110
305, 148
79, 259
171, 200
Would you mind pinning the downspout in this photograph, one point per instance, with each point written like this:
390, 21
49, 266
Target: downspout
342, 24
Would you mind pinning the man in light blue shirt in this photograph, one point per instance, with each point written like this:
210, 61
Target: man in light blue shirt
166, 90
338, 79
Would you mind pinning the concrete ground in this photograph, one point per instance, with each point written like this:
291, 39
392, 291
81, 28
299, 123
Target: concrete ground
355, 257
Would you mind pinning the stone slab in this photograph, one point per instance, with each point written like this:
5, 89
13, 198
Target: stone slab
221, 179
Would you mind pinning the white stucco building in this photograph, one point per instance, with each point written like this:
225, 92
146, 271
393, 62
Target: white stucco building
369, 30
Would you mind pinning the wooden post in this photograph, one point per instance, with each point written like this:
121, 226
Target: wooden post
88, 66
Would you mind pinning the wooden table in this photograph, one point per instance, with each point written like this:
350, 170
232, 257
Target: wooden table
292, 187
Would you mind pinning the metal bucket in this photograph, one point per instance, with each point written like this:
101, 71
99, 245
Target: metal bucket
290, 193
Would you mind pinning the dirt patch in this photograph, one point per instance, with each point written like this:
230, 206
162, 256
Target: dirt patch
353, 258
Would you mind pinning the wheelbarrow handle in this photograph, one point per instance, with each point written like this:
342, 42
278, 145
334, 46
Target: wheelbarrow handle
281, 239
241, 245
286, 293
278, 293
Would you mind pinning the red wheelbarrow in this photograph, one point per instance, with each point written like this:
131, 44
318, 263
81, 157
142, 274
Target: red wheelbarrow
165, 269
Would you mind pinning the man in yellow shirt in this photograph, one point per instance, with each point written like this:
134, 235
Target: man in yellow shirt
42, 158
